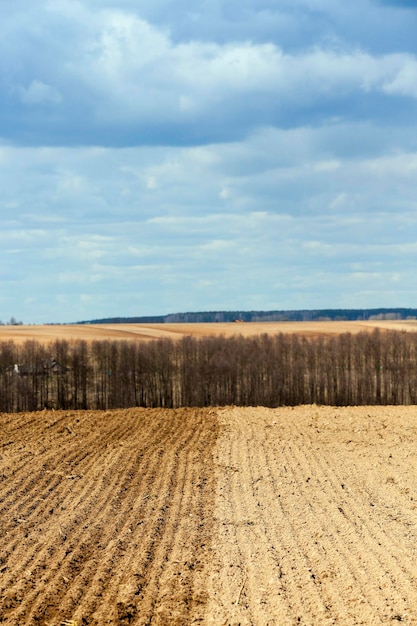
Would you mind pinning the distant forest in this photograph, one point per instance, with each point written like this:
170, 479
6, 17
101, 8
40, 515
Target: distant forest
307, 315
268, 370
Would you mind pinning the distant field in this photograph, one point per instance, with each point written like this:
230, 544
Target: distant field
147, 332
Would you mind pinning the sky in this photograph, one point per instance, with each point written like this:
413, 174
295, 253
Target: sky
160, 157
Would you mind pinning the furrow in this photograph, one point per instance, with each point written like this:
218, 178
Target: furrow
117, 526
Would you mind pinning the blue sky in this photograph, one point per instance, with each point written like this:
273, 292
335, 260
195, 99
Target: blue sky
160, 156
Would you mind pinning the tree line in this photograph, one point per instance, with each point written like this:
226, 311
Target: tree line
12, 322
308, 315
268, 370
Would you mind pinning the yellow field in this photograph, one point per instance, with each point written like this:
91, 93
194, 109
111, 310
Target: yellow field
91, 332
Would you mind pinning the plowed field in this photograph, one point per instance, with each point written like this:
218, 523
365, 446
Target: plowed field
218, 516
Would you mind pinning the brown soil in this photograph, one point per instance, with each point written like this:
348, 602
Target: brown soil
215, 516
147, 332
105, 517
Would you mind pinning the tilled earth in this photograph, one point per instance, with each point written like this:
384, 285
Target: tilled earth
212, 516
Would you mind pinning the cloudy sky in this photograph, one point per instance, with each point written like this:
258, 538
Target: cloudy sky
161, 156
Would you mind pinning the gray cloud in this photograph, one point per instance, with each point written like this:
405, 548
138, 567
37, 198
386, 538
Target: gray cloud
117, 79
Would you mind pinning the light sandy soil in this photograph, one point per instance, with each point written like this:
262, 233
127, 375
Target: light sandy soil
146, 332
316, 519
233, 516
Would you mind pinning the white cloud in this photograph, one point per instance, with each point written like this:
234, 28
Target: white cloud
39, 93
340, 201
327, 166
404, 81
140, 73
152, 183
